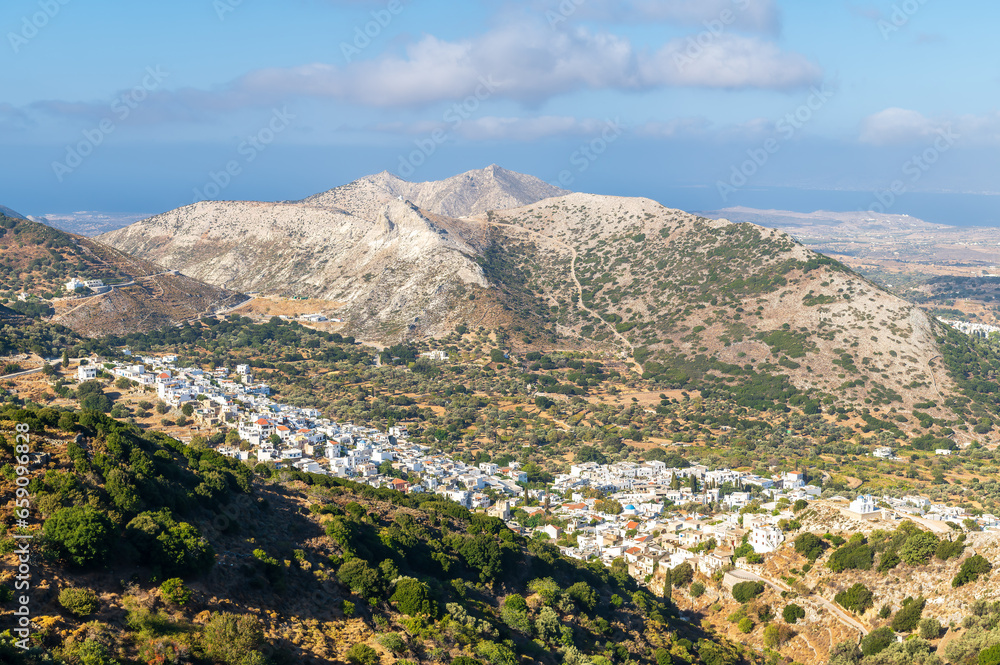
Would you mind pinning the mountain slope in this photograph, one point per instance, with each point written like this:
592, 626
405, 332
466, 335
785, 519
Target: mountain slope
315, 564
13, 214
734, 309
38, 260
719, 303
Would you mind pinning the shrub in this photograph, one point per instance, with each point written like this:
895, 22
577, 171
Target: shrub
362, 654
347, 607
80, 535
745, 625
744, 592
393, 642
412, 597
682, 575
697, 589
990, 656
877, 640
80, 602
950, 549
175, 591
857, 599
792, 613
855, 555
971, 569
177, 547
908, 616
234, 639
919, 548
361, 578
930, 629
809, 546
497, 654
583, 595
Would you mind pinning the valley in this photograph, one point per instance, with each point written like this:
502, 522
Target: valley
661, 407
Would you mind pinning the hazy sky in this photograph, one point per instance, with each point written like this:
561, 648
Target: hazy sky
145, 106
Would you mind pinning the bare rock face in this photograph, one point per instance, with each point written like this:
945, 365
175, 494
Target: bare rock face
472, 193
392, 250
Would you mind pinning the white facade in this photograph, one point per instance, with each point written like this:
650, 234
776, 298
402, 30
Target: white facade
864, 505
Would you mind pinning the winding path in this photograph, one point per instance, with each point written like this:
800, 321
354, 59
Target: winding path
840, 614
579, 287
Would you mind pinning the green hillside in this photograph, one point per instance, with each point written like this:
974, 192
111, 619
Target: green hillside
153, 551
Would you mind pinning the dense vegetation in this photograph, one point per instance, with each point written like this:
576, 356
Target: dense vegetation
448, 581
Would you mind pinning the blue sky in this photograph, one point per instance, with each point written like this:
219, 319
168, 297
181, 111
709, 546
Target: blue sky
697, 103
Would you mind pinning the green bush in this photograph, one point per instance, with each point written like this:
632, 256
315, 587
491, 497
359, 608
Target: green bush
810, 546
930, 629
857, 599
877, 640
393, 642
908, 616
80, 535
792, 613
80, 602
362, 654
990, 656
177, 547
744, 592
919, 548
855, 555
745, 625
234, 639
362, 579
583, 595
175, 591
971, 569
697, 590
412, 597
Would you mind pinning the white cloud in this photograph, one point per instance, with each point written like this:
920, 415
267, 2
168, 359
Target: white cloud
529, 64
748, 15
896, 126
496, 128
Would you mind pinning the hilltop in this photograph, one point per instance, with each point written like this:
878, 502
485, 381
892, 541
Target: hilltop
471, 193
13, 214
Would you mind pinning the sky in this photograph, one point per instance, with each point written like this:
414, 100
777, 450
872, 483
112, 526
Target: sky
881, 105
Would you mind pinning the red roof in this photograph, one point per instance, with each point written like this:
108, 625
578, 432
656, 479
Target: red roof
632, 525
163, 375
303, 431
575, 506
282, 428
399, 481
262, 421
633, 550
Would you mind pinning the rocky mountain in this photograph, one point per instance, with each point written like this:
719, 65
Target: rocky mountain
472, 193
733, 309
37, 261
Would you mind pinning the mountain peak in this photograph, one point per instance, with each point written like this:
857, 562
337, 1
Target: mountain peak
463, 195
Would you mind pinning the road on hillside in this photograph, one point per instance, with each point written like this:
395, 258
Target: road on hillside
51, 361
